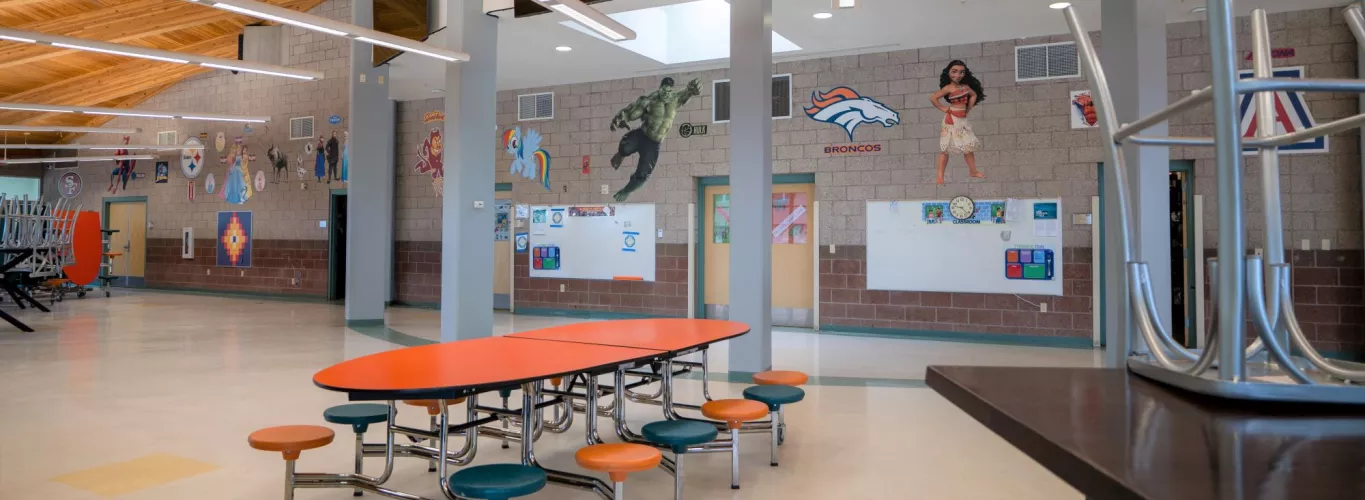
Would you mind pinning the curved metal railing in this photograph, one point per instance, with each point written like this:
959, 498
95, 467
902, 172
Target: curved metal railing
1260, 286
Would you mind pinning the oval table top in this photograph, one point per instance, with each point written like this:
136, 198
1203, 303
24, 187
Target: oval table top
663, 334
455, 369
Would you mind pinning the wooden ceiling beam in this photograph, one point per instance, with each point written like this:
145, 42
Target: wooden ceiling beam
127, 22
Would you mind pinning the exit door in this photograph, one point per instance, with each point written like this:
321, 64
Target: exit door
130, 220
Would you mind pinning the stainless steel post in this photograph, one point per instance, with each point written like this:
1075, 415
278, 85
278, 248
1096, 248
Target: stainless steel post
1228, 149
431, 467
619, 490
359, 459
734, 458
288, 480
678, 476
776, 426
1270, 171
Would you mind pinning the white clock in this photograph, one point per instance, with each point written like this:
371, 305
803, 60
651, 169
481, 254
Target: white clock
962, 208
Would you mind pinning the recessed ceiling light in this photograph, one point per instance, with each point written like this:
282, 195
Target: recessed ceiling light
823, 15
1059, 5
563, 48
1198, 10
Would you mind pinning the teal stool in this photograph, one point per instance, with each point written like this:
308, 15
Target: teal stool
497, 481
359, 416
677, 435
775, 396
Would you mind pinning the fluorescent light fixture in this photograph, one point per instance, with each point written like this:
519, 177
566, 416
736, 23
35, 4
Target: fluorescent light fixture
822, 15
120, 53
72, 43
593, 19
563, 48
168, 114
1199, 10
68, 159
278, 19
75, 130
99, 147
845, 4
680, 33
240, 120
124, 113
1059, 5
35, 109
406, 49
335, 28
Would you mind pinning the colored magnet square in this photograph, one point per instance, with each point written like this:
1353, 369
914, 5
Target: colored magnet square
1011, 256
1026, 256
1040, 256
538, 263
1035, 272
1014, 271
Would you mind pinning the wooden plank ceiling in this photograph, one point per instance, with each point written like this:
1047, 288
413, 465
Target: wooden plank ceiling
42, 74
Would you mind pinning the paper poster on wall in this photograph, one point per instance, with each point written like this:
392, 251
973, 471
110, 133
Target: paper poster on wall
1045, 222
721, 219
234, 240
628, 240
597, 211
1083, 110
502, 224
523, 240
556, 218
789, 218
163, 172
523, 211
539, 221
987, 212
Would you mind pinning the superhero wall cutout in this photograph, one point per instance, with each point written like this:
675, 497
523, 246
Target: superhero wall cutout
655, 112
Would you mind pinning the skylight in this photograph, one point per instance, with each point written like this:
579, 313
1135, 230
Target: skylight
681, 33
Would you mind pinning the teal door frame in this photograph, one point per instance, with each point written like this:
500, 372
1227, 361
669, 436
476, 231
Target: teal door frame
1196, 312
104, 221
700, 252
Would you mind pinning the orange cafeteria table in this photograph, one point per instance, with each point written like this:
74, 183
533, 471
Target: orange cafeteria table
466, 368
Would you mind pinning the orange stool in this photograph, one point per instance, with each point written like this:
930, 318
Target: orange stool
433, 407
780, 377
290, 440
618, 460
734, 412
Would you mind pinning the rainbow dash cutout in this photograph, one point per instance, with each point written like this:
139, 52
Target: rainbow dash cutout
527, 158
843, 106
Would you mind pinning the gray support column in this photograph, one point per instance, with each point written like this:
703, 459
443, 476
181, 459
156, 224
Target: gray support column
751, 182
471, 122
369, 212
1133, 51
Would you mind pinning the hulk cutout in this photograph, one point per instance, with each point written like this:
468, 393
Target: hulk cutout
656, 112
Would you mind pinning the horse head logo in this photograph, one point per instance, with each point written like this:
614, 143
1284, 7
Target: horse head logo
843, 106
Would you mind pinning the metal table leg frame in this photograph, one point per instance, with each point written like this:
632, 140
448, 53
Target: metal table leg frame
358, 481
528, 455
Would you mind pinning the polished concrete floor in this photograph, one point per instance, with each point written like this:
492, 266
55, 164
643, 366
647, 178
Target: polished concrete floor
150, 396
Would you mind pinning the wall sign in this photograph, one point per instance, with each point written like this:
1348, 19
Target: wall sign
1083, 113
689, 130
1281, 53
852, 149
587, 165
334, 120
163, 172
1291, 115
191, 160
844, 107
70, 184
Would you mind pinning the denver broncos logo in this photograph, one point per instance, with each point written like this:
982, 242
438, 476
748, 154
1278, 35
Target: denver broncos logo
843, 106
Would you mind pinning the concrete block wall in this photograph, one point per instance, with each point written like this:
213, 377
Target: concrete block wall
284, 214
1029, 151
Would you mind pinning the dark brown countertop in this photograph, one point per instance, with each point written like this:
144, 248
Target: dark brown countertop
1112, 435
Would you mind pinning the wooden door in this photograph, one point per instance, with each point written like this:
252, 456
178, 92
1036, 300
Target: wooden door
502, 257
130, 219
793, 276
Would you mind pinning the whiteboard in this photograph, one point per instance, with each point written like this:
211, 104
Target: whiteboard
599, 242
904, 252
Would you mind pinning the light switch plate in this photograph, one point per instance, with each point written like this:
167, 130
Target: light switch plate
606, 188
322, 223
1257, 252
1305, 246
1326, 244
478, 204
661, 234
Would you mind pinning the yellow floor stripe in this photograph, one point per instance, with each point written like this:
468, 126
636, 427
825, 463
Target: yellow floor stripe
135, 475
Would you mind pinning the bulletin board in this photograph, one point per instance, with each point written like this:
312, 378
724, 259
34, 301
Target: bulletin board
592, 241
918, 246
